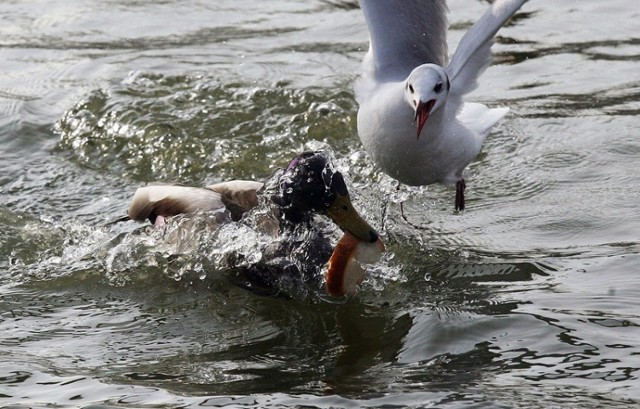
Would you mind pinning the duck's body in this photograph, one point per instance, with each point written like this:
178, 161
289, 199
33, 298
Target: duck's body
412, 118
298, 251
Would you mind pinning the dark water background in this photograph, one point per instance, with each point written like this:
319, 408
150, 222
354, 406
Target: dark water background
530, 299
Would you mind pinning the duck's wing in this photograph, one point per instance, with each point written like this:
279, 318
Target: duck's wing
149, 202
404, 34
473, 54
238, 196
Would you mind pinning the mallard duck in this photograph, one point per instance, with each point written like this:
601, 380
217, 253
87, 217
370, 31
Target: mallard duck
309, 186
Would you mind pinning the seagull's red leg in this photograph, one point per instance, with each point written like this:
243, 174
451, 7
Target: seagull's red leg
405, 217
460, 186
401, 203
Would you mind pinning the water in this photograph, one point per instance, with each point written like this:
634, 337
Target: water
528, 299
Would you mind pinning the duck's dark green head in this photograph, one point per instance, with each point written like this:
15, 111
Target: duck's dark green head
310, 184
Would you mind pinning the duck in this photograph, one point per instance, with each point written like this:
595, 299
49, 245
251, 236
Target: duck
412, 118
287, 206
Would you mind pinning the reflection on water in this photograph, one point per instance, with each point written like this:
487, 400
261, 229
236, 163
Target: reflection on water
528, 299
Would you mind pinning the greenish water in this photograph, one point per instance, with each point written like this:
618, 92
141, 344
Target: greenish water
529, 299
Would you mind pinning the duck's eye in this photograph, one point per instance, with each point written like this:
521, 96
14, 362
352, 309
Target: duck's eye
410, 88
438, 87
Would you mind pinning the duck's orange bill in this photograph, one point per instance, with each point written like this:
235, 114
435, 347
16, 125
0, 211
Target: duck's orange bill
345, 272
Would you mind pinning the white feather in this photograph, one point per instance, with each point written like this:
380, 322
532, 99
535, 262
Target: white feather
406, 34
473, 54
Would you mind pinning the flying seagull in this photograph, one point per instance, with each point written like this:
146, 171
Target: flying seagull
412, 118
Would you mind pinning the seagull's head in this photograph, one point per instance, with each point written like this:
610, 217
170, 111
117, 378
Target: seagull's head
426, 90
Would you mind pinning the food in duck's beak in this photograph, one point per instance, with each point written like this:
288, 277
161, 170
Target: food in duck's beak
345, 270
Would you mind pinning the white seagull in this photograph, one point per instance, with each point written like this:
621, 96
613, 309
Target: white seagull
412, 118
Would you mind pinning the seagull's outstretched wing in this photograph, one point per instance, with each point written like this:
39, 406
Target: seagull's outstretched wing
473, 54
403, 35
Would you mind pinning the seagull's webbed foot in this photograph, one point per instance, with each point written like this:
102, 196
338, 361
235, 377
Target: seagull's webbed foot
460, 186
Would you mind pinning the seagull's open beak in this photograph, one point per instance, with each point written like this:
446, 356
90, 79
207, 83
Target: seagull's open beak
422, 113
347, 218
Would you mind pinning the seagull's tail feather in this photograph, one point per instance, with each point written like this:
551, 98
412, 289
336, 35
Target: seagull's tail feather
481, 118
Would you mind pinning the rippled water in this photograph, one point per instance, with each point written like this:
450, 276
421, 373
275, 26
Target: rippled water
530, 298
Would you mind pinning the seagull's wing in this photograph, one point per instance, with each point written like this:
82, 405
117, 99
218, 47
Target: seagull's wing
403, 35
473, 54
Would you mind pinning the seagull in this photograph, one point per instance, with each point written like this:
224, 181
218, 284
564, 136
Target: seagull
412, 119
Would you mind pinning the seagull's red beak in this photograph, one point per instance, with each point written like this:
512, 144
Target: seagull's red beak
422, 113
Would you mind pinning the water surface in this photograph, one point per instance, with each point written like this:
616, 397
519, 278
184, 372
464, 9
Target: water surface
527, 299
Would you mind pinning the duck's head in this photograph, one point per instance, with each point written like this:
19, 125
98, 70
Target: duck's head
426, 90
311, 185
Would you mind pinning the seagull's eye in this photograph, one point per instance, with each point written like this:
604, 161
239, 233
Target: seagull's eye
438, 87
410, 88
